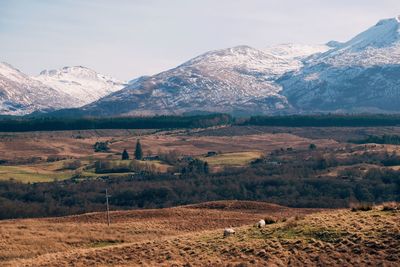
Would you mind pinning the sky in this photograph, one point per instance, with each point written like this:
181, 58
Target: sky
131, 38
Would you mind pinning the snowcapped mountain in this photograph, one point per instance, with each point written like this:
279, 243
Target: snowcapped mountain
361, 75
20, 94
239, 80
234, 80
297, 52
81, 84
69, 87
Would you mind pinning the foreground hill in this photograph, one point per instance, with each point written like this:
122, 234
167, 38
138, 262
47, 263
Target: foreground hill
192, 236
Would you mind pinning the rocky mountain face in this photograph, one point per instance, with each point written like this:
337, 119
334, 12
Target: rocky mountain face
20, 94
361, 75
69, 87
81, 84
239, 80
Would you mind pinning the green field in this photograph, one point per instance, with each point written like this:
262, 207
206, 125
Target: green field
31, 174
232, 159
51, 171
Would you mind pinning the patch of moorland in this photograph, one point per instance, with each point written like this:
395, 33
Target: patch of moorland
327, 238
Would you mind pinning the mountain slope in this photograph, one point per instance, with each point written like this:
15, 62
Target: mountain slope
239, 80
361, 75
296, 52
82, 84
20, 94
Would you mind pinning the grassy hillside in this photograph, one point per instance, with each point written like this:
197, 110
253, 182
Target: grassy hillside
193, 236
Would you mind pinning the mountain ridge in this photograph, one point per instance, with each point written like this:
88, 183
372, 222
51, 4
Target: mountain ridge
69, 87
360, 75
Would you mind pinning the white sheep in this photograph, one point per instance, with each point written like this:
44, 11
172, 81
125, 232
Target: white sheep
260, 224
228, 232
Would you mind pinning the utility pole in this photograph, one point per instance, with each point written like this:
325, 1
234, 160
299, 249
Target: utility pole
108, 208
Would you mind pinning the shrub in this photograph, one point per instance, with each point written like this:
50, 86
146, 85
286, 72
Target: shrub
270, 220
125, 155
299, 217
290, 224
312, 146
53, 158
72, 165
391, 206
361, 207
101, 147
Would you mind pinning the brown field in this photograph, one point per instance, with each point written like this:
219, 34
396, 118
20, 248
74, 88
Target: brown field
34, 237
27, 153
340, 134
192, 235
43, 144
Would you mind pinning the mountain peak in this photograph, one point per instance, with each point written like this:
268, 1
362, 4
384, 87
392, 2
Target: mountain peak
81, 83
76, 70
385, 33
390, 21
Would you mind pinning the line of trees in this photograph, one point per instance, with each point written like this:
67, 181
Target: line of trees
327, 120
24, 124
384, 139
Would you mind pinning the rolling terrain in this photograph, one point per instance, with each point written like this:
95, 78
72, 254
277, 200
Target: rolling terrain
192, 235
172, 211
33, 153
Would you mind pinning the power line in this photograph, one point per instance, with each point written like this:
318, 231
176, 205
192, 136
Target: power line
108, 208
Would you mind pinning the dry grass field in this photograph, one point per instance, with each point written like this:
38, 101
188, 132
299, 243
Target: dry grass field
233, 158
27, 154
43, 144
192, 236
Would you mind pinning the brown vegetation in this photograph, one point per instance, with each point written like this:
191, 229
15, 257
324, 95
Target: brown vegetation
193, 236
34, 237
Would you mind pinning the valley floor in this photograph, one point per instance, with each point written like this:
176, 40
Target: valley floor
193, 236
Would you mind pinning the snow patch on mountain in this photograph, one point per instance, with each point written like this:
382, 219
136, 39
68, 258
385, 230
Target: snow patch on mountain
296, 51
235, 80
358, 75
379, 45
80, 83
20, 94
